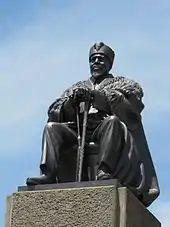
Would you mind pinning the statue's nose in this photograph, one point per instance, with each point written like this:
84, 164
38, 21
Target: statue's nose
97, 60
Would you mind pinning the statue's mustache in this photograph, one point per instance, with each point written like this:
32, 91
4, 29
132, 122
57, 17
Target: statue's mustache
97, 66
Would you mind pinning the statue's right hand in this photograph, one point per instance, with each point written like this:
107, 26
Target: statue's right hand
81, 95
52, 112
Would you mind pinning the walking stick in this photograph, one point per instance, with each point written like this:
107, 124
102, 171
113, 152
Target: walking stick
81, 142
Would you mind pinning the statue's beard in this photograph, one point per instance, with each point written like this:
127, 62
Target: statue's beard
98, 72
98, 75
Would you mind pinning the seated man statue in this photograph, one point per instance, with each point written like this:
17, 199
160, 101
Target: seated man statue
114, 123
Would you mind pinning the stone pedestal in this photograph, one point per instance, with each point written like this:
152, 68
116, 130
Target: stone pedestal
83, 205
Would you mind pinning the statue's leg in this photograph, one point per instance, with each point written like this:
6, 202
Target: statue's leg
118, 155
57, 139
110, 137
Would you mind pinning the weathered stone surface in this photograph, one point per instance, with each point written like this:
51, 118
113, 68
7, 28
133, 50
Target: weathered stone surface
83, 184
133, 213
8, 211
91, 206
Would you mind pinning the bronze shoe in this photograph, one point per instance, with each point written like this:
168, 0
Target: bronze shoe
101, 175
43, 179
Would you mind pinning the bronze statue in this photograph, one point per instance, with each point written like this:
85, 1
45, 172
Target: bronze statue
110, 127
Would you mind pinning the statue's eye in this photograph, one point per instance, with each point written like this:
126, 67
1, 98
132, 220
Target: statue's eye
97, 59
92, 60
101, 58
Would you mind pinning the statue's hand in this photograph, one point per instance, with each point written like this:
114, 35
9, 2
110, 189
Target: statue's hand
53, 115
99, 101
81, 95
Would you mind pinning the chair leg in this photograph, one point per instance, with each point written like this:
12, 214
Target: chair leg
92, 173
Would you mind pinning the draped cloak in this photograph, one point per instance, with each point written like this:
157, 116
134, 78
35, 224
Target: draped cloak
124, 97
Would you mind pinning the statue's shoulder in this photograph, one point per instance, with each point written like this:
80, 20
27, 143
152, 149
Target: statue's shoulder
125, 85
130, 84
69, 91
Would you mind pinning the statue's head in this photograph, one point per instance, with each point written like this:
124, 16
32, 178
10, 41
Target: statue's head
101, 59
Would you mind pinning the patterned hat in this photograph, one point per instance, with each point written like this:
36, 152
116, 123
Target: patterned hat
101, 48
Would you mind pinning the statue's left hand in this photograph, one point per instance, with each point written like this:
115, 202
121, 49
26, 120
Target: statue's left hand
99, 101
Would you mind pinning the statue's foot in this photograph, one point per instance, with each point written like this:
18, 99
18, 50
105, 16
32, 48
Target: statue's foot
43, 179
101, 175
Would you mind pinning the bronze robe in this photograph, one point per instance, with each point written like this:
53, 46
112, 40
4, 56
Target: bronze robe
125, 100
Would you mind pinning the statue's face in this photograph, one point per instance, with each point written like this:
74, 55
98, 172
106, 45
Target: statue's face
99, 65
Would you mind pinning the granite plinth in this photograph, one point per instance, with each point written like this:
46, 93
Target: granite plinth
99, 204
83, 184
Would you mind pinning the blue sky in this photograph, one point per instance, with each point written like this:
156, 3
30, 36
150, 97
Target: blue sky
44, 49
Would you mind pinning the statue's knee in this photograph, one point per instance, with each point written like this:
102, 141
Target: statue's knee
113, 119
50, 125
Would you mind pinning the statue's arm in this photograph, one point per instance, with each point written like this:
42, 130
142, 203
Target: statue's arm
63, 109
127, 106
